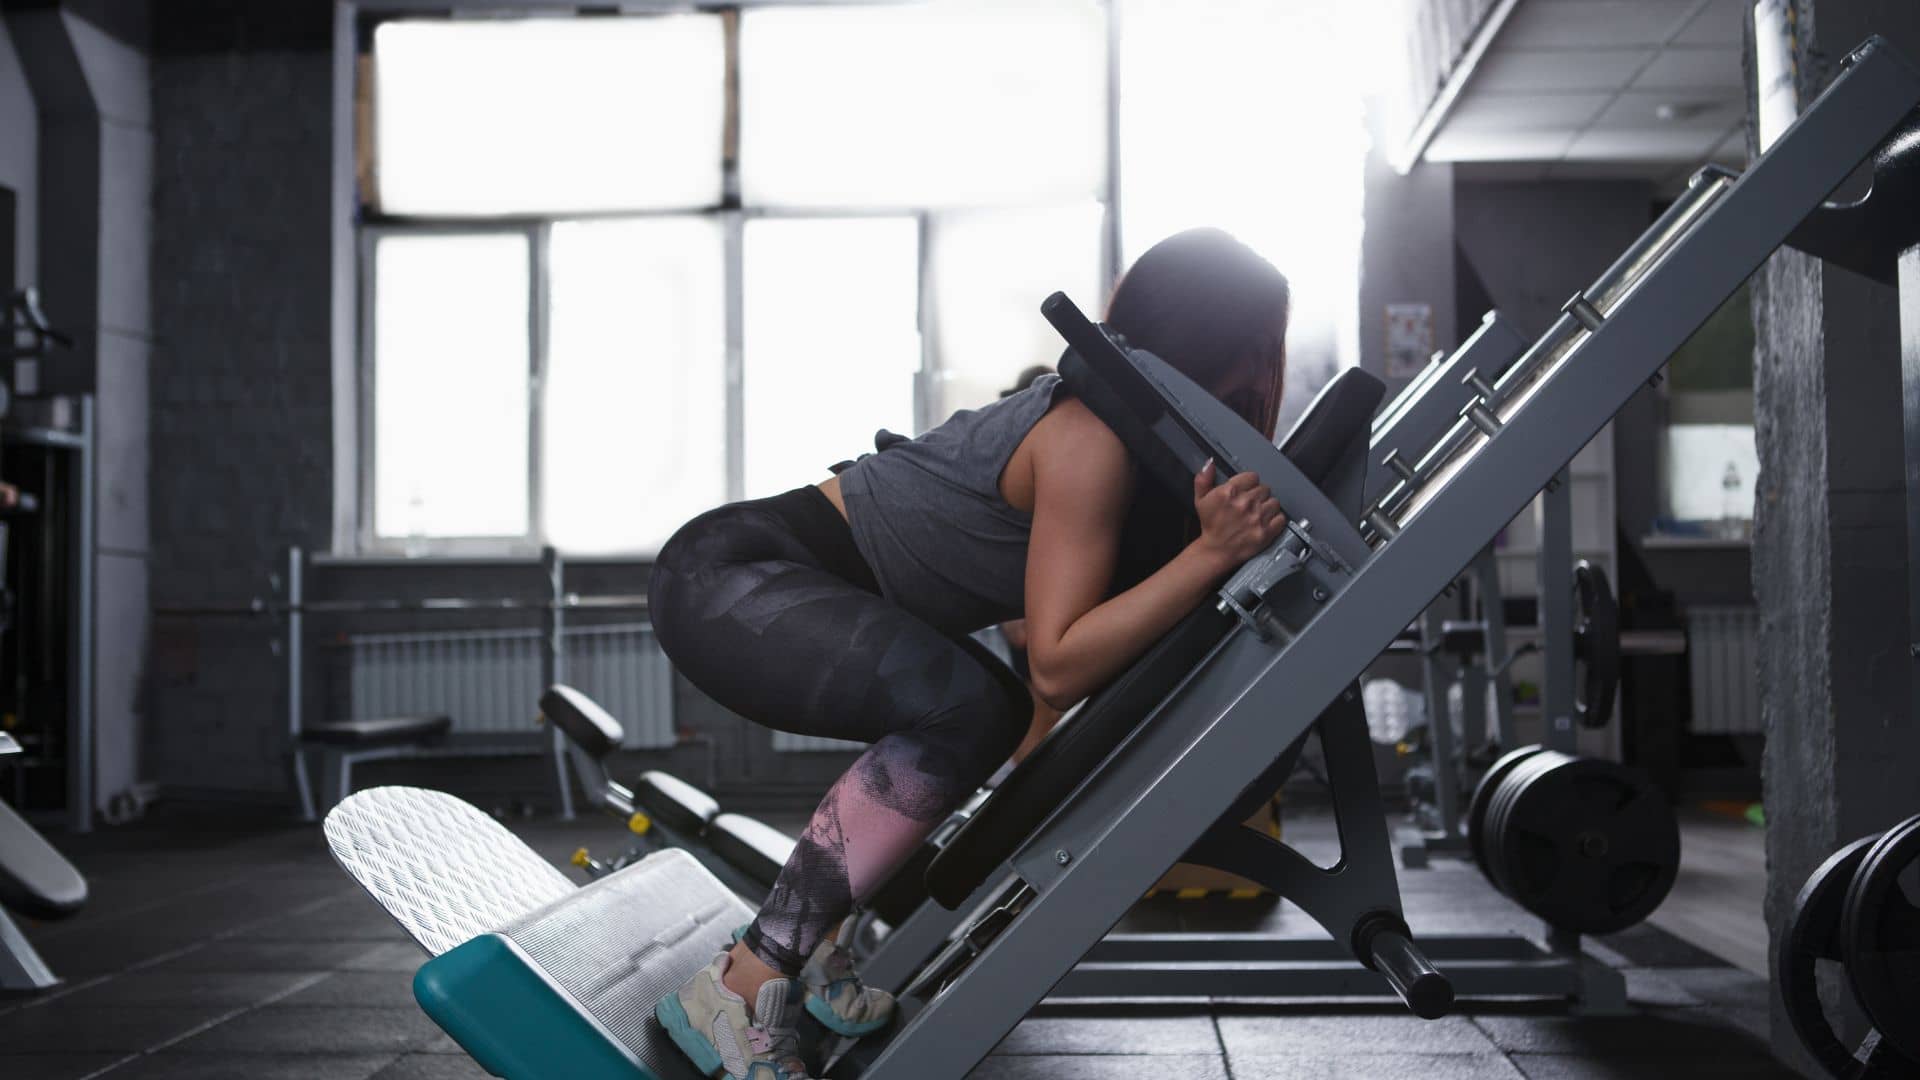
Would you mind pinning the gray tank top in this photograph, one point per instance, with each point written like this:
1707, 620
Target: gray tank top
928, 517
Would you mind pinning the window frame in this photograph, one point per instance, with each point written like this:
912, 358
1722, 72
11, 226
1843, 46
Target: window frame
358, 232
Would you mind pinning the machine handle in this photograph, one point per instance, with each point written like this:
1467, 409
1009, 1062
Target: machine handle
1414, 978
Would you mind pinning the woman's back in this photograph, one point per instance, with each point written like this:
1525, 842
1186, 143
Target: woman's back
929, 515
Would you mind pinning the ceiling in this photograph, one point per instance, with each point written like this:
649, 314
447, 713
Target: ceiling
1603, 88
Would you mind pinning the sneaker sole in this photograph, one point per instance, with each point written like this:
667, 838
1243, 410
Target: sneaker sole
673, 1017
818, 1008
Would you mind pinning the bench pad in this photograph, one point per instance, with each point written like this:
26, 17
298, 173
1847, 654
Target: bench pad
582, 720
673, 802
382, 731
753, 846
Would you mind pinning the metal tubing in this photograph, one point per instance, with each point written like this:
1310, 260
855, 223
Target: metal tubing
21, 968
1553, 517
82, 685
295, 651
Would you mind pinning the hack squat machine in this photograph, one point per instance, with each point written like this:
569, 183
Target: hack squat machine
537, 977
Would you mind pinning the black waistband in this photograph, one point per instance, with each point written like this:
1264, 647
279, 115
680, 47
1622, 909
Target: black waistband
817, 524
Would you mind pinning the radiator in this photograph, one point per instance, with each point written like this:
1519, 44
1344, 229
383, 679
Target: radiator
1721, 651
488, 681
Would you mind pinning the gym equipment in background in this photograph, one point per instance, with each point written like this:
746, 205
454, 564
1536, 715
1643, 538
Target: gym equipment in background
1859, 909
1591, 846
341, 744
662, 810
35, 881
1165, 755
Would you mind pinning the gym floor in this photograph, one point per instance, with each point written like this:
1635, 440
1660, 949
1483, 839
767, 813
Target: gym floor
217, 951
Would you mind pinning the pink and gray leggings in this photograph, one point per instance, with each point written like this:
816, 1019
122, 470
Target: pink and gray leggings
768, 607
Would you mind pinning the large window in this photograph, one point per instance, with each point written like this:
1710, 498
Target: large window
618, 269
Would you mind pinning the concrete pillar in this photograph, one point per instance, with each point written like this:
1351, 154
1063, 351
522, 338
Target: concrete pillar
87, 66
1830, 569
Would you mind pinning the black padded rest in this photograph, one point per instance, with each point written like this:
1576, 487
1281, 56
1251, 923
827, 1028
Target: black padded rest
754, 847
675, 803
382, 731
582, 720
1341, 413
35, 880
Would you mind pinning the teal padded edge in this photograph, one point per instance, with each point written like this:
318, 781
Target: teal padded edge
514, 1020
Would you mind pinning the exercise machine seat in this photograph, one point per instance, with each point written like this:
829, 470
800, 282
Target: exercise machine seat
1339, 417
383, 731
752, 846
35, 880
674, 803
582, 720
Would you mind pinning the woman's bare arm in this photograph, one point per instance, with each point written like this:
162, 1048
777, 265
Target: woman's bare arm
1082, 486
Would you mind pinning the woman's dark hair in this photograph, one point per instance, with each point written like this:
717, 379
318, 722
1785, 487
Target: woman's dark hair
1213, 309
1026, 378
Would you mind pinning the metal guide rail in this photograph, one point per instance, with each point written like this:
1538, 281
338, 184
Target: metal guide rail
1255, 696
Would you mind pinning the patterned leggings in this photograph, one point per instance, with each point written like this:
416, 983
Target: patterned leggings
769, 608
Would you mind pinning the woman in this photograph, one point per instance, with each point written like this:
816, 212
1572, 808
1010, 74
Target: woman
843, 610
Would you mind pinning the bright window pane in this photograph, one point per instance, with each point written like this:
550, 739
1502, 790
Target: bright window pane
991, 270
450, 386
832, 343
549, 115
1710, 472
634, 430
952, 102
1289, 186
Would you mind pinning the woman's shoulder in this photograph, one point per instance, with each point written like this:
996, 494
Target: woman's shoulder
1072, 431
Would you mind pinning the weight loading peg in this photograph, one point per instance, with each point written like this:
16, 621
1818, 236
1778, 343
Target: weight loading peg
1399, 465
1383, 524
1584, 312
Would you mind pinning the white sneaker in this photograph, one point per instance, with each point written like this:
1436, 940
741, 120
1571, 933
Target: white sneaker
711, 1025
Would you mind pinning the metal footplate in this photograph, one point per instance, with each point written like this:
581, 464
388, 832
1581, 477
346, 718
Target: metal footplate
537, 979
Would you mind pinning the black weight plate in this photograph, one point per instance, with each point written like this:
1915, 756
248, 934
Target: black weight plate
1483, 797
1596, 645
1880, 936
1499, 837
1588, 845
1813, 935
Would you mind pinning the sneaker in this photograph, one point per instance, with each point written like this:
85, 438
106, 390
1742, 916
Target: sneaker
711, 1025
835, 995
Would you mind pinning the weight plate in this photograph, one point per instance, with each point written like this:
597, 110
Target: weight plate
1880, 936
1483, 795
1588, 845
1596, 645
1502, 807
1813, 935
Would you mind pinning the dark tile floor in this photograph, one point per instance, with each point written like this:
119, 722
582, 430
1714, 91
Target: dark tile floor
212, 952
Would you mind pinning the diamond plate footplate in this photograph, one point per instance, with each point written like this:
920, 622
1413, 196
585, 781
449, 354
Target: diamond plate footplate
443, 869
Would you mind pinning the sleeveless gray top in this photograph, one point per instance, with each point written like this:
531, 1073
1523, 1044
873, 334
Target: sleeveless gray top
928, 517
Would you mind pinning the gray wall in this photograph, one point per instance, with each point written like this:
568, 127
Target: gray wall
241, 411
